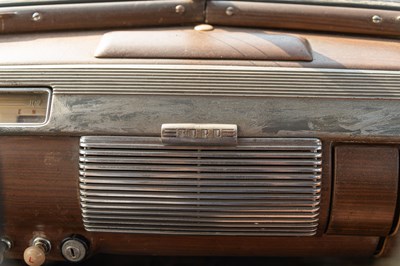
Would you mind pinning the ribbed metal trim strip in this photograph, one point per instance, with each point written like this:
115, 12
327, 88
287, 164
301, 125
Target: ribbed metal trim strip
208, 81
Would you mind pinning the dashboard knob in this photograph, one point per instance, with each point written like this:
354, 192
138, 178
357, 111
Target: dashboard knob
5, 245
35, 255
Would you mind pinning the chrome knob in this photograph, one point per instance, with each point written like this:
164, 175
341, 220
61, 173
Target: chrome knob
35, 255
5, 245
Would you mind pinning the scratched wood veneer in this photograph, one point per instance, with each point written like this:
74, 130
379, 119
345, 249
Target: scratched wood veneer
39, 184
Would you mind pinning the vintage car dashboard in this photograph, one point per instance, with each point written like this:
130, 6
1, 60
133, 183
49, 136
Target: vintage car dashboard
243, 136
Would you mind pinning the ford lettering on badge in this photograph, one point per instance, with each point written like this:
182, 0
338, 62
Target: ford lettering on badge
199, 134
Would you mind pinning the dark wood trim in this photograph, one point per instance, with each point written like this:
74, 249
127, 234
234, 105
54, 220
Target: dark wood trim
303, 17
40, 187
365, 190
240, 246
390, 247
100, 15
390, 5
103, 15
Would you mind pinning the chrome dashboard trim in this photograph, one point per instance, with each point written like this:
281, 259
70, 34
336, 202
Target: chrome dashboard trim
190, 80
199, 134
262, 186
262, 101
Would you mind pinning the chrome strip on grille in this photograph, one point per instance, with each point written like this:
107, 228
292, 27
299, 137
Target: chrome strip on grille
262, 186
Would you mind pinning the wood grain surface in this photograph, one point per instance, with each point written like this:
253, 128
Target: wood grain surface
100, 15
365, 190
39, 178
303, 17
166, 13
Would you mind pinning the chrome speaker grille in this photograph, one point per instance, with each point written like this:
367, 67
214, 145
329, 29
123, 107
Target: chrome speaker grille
262, 186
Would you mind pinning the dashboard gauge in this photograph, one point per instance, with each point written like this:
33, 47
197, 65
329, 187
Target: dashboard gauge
24, 106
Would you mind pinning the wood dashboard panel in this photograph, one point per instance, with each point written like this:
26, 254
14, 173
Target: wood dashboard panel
39, 174
365, 185
39, 178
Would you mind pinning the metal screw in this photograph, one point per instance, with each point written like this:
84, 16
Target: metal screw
398, 18
229, 11
36, 16
180, 9
377, 19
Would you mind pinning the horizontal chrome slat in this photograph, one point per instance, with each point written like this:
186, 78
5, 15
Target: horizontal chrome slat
191, 182
204, 154
150, 230
277, 200
270, 223
259, 187
273, 194
242, 210
198, 218
209, 169
127, 145
189, 191
243, 145
205, 212
122, 176
214, 162
256, 83
204, 230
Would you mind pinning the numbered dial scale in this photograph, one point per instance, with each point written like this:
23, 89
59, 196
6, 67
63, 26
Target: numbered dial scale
21, 106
